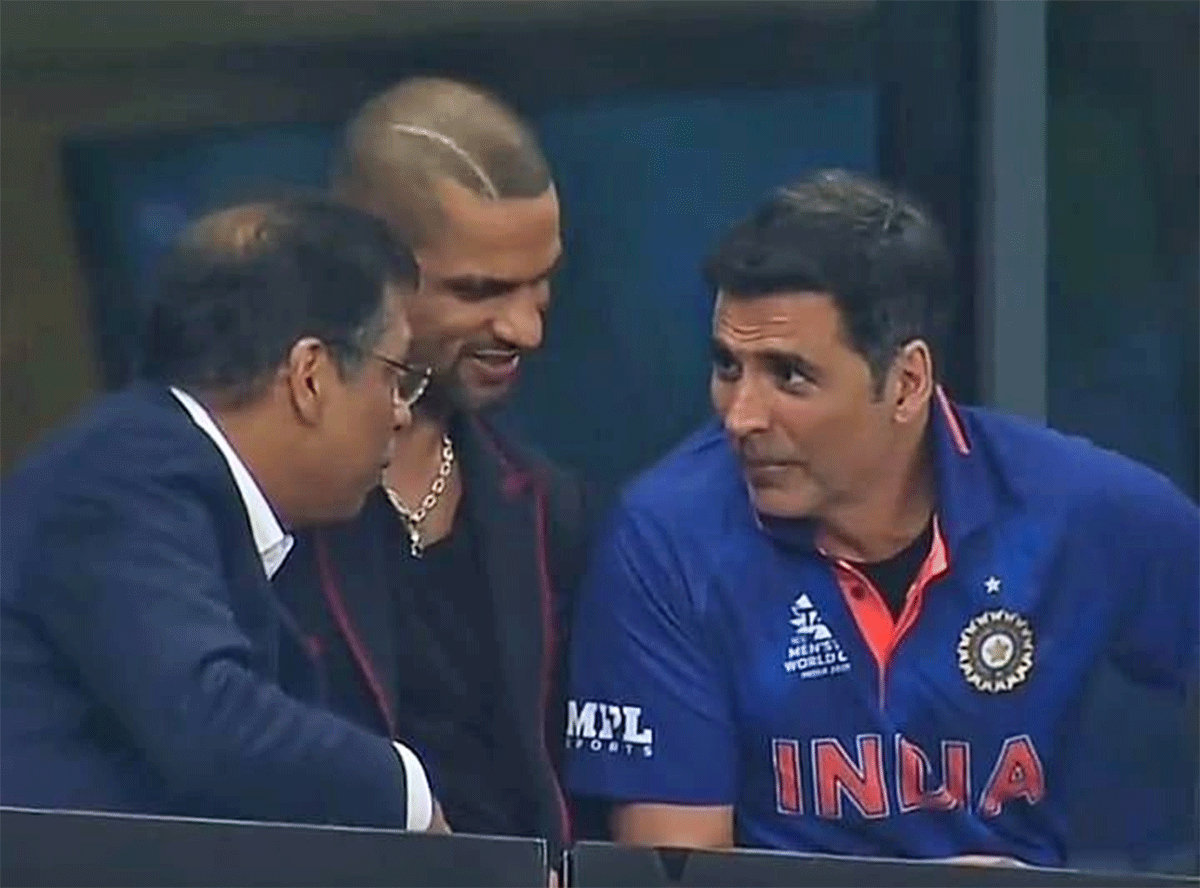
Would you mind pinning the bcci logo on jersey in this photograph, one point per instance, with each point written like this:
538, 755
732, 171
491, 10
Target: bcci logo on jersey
812, 651
608, 727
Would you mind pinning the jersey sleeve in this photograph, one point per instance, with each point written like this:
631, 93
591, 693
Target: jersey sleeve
1158, 637
648, 718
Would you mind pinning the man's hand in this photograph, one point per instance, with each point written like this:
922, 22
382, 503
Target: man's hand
438, 824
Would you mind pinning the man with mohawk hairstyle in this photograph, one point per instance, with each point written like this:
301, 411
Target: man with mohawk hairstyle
440, 613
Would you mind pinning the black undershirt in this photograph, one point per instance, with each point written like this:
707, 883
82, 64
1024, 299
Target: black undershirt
894, 576
447, 660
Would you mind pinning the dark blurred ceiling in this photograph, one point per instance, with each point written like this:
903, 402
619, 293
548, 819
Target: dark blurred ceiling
51, 34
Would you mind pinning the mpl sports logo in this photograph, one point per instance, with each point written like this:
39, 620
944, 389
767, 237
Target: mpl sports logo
608, 727
812, 651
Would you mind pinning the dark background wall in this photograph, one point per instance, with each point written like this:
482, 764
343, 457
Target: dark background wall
665, 121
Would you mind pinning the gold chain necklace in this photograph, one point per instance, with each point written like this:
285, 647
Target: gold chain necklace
414, 518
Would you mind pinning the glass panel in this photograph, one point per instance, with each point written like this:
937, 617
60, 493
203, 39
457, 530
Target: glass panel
1122, 364
1122, 169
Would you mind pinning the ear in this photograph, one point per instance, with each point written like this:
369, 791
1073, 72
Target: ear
310, 373
912, 381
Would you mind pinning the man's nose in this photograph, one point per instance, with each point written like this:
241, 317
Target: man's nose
747, 411
401, 414
521, 321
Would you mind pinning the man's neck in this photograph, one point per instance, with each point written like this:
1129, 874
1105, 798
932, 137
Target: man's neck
417, 452
265, 456
895, 511
416, 461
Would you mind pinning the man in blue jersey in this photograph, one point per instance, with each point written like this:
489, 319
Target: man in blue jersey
851, 616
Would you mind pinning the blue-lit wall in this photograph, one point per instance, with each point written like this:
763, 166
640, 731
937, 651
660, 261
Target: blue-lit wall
647, 182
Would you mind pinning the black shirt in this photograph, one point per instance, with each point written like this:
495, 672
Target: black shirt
894, 576
447, 660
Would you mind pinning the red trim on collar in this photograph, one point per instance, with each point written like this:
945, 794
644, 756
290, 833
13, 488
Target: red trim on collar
549, 656
516, 479
953, 422
881, 633
333, 596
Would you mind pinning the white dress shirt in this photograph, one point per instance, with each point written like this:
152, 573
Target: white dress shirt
272, 543
273, 546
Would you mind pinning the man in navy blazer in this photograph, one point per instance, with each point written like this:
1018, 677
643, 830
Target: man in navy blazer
140, 639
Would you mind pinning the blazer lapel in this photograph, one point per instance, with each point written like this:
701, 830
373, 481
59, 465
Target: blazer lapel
351, 571
252, 600
260, 612
505, 508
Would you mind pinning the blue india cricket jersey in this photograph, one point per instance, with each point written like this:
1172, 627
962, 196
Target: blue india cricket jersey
719, 659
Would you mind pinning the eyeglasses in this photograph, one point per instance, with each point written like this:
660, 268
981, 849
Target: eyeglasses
409, 381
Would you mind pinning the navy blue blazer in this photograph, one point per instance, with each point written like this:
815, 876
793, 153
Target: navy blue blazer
141, 643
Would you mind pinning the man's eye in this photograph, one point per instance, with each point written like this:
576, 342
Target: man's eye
479, 291
724, 366
796, 376
791, 376
796, 381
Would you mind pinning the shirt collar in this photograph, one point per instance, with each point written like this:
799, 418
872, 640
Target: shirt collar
970, 490
272, 543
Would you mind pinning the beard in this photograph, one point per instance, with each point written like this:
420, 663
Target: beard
447, 392
443, 396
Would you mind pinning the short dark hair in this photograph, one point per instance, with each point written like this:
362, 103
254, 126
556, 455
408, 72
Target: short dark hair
426, 128
244, 284
874, 251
